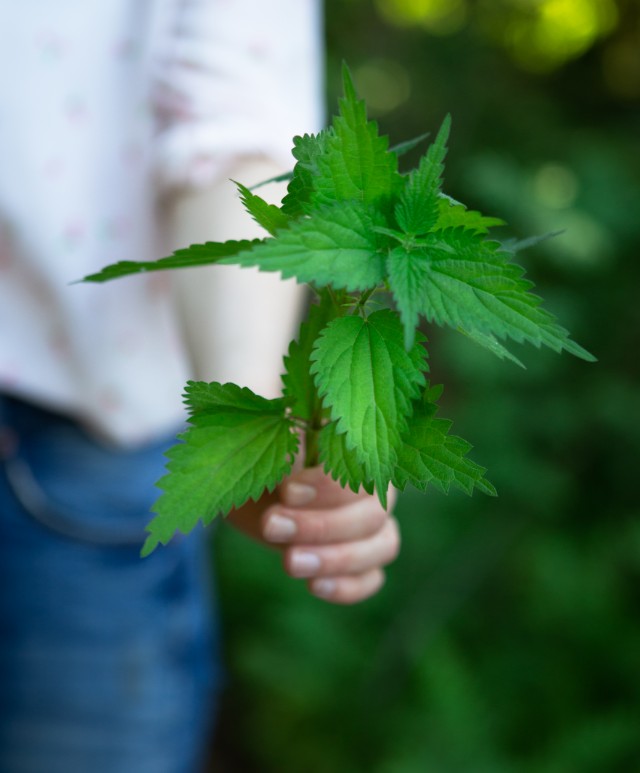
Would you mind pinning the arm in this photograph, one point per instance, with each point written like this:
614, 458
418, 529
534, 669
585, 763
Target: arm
238, 324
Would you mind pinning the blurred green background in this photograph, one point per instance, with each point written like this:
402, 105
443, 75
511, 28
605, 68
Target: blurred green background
507, 638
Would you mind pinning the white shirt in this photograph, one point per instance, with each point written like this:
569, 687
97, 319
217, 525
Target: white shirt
103, 105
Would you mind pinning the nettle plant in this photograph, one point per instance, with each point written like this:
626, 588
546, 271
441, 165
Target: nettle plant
379, 249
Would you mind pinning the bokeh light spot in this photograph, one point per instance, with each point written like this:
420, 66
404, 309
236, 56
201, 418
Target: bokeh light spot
555, 186
547, 33
441, 17
383, 83
585, 241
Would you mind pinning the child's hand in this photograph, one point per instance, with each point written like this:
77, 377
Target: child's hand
336, 539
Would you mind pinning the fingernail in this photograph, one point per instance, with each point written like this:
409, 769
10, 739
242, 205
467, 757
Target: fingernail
279, 529
296, 494
304, 564
324, 588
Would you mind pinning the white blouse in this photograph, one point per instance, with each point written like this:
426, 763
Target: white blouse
104, 104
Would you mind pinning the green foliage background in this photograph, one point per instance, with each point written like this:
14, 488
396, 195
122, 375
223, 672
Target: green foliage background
507, 638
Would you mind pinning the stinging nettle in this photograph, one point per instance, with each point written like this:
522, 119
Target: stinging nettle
380, 250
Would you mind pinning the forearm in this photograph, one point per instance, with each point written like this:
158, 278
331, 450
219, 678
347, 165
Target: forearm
236, 323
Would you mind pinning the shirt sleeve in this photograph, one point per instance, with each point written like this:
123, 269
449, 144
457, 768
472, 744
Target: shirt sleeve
235, 78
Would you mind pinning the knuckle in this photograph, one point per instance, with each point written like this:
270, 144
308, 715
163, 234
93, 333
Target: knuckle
316, 528
377, 517
347, 596
349, 591
393, 539
356, 590
378, 580
339, 559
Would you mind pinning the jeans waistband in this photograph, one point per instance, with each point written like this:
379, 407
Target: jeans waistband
24, 417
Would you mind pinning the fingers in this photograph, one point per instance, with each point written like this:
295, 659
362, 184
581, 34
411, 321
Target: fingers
313, 488
357, 519
345, 572
334, 538
344, 558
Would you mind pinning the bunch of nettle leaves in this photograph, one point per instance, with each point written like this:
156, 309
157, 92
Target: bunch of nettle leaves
378, 249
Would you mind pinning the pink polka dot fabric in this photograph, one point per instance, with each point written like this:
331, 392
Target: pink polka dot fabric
104, 106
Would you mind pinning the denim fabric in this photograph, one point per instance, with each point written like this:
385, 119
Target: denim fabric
107, 661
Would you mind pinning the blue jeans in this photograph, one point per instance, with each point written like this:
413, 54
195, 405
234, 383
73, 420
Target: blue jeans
107, 660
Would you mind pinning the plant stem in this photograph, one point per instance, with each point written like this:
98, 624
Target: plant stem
363, 299
316, 421
311, 456
312, 434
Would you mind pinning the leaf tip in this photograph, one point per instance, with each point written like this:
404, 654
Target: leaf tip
242, 189
150, 544
584, 354
487, 487
347, 82
445, 130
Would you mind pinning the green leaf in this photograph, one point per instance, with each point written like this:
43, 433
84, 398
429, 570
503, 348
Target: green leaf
417, 210
336, 246
357, 163
452, 215
408, 277
306, 150
429, 455
202, 396
468, 283
279, 178
489, 342
340, 461
404, 147
299, 387
232, 452
189, 257
270, 217
517, 245
368, 380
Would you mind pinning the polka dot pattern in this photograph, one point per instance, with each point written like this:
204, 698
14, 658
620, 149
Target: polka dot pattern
103, 106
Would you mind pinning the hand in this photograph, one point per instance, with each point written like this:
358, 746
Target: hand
337, 540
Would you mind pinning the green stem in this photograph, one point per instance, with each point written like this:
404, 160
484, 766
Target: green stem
316, 420
311, 457
312, 433
334, 299
363, 299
